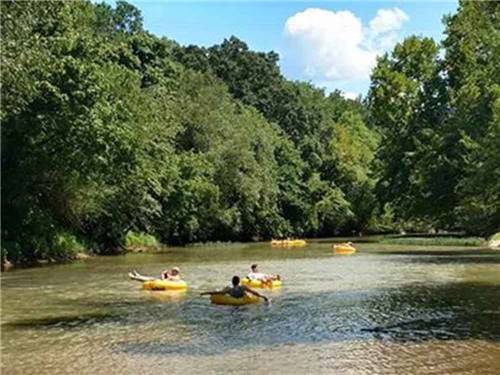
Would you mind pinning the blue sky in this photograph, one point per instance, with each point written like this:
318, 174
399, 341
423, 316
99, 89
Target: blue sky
332, 44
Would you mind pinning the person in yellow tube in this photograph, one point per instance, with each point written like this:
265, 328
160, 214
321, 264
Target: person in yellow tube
256, 275
173, 274
350, 244
236, 291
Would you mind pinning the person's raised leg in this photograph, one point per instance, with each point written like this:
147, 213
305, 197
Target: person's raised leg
134, 275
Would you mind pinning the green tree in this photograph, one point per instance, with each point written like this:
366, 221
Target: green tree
406, 105
228, 150
471, 131
76, 146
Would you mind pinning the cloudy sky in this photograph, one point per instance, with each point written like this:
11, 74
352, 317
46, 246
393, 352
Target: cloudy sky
332, 44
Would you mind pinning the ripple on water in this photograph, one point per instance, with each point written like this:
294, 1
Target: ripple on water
363, 314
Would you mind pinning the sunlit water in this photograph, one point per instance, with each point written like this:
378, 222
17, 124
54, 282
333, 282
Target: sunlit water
401, 312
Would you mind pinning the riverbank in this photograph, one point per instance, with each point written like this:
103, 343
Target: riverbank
494, 242
401, 244
435, 241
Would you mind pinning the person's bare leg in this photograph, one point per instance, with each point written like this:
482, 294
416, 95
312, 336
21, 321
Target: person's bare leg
134, 275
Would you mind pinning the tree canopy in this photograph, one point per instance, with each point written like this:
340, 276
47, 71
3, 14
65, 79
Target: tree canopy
107, 128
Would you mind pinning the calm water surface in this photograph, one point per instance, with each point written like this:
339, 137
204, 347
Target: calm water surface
382, 310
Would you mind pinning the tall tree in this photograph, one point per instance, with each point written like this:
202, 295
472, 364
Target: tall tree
472, 132
407, 103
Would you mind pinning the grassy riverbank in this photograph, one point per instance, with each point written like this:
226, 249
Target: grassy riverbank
435, 241
143, 242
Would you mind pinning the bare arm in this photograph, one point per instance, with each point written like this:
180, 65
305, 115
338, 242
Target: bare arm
215, 293
255, 293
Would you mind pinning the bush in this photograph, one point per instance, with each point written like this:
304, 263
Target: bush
134, 239
62, 246
66, 246
435, 241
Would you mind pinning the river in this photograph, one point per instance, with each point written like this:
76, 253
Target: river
387, 309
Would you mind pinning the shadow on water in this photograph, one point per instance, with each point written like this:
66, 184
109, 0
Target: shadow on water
456, 311
76, 321
103, 312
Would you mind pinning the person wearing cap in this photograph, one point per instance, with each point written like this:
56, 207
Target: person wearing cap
173, 274
256, 275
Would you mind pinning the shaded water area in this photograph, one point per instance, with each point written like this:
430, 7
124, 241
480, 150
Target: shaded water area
386, 309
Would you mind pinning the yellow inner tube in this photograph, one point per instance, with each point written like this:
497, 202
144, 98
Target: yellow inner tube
344, 249
224, 299
288, 243
164, 285
259, 284
168, 295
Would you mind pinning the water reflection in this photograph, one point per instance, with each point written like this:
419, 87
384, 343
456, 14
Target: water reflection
456, 311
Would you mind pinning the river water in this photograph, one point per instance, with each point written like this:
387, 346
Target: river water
387, 309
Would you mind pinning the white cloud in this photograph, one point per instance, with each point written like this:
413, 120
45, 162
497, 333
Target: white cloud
350, 95
331, 43
388, 20
335, 46
384, 28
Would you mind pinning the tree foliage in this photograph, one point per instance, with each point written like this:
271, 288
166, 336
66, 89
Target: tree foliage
109, 130
438, 118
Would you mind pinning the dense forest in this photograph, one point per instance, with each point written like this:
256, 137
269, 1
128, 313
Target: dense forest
108, 129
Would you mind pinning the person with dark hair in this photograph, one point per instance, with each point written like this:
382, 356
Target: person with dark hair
236, 290
256, 275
